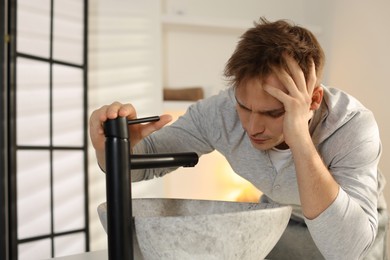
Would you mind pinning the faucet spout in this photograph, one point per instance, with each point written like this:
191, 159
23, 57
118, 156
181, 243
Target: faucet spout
145, 161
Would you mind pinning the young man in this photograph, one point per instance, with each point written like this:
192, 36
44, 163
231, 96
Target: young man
301, 143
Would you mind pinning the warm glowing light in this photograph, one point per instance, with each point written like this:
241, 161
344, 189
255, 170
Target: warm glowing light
212, 178
233, 186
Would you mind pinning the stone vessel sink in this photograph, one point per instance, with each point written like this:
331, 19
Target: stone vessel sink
201, 229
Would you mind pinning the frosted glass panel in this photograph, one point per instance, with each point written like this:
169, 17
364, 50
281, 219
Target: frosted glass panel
67, 106
69, 245
33, 102
33, 27
68, 186
68, 31
33, 193
35, 250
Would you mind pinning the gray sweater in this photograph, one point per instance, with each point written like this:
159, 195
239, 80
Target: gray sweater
345, 134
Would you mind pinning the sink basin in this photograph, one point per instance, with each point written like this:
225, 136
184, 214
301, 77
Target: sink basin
203, 229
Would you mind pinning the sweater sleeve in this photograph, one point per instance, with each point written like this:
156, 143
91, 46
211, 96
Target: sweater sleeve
350, 234
347, 228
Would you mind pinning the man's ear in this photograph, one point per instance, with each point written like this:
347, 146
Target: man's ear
316, 98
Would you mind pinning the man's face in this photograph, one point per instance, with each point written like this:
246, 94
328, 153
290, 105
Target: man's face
261, 115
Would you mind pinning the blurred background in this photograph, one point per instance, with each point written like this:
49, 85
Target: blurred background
131, 51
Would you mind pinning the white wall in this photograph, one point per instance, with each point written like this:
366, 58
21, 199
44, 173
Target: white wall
195, 55
237, 9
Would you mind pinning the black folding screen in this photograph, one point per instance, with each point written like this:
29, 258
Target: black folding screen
4, 234
44, 136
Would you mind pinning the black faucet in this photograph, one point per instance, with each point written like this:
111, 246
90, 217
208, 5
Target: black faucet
119, 163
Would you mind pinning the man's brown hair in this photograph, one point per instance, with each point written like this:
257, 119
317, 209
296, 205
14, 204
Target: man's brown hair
264, 46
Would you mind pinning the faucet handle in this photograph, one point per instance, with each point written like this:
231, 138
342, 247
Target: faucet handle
143, 120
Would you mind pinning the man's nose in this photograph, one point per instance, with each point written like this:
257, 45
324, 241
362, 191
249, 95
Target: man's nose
256, 124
